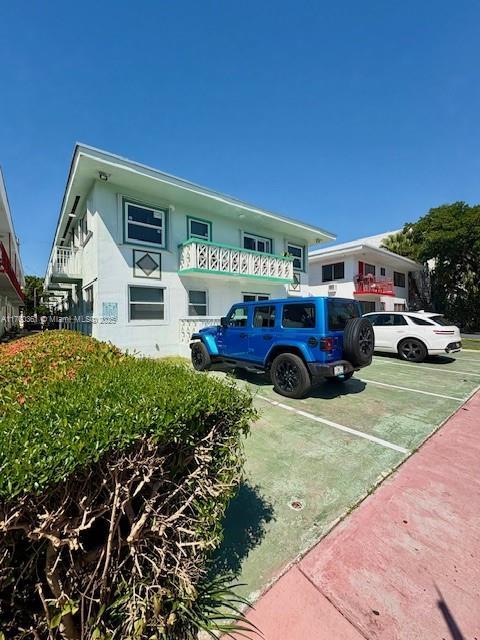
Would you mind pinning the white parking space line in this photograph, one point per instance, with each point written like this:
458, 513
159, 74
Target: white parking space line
419, 367
476, 360
335, 425
425, 393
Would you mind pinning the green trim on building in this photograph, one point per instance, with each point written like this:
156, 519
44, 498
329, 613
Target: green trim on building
231, 273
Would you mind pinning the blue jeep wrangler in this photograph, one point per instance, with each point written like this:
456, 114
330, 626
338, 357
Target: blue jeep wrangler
297, 340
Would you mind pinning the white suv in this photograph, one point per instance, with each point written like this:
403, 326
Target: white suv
414, 335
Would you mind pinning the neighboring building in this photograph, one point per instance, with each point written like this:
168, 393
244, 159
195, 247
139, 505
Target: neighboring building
152, 258
362, 269
11, 271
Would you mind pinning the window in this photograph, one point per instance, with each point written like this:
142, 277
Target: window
398, 307
264, 317
382, 271
84, 233
442, 321
334, 271
88, 299
369, 269
146, 303
298, 253
144, 225
298, 316
420, 321
389, 320
197, 303
199, 228
398, 279
367, 307
257, 243
382, 306
255, 297
238, 317
339, 313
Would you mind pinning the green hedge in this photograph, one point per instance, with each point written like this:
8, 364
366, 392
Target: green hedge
76, 416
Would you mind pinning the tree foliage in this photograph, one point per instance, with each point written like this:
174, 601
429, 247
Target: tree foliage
447, 239
34, 291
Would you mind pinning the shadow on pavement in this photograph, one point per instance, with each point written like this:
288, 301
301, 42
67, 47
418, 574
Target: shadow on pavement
455, 632
244, 528
429, 359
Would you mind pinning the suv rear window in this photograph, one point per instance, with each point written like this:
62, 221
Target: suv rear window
339, 313
420, 321
298, 316
442, 321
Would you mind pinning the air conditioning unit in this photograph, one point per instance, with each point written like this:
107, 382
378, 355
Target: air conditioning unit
332, 287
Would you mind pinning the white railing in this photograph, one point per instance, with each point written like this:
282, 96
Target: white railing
65, 261
197, 255
192, 324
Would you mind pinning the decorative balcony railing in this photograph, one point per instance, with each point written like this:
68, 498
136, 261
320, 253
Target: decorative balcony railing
376, 285
208, 257
7, 268
192, 324
64, 265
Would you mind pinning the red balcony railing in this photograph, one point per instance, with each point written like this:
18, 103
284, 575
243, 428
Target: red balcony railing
370, 284
6, 267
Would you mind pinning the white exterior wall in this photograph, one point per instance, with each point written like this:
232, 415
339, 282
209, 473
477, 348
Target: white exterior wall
107, 265
345, 288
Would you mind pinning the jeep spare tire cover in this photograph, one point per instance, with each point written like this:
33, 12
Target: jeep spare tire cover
358, 341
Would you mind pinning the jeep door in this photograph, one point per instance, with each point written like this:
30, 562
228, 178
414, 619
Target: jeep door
261, 335
234, 338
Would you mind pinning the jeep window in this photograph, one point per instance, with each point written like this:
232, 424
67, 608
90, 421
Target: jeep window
264, 317
339, 313
238, 317
298, 316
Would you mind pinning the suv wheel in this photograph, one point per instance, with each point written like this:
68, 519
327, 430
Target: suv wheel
200, 357
290, 376
358, 341
412, 350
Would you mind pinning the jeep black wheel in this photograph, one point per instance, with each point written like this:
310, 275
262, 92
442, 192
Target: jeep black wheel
290, 376
358, 342
412, 350
200, 356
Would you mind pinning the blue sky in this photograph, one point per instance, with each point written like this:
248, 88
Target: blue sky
356, 116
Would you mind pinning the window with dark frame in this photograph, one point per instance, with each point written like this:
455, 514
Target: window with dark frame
382, 271
253, 242
145, 225
201, 229
298, 316
264, 317
335, 271
146, 303
298, 254
399, 279
369, 269
255, 297
197, 303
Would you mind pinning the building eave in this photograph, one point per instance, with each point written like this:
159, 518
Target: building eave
332, 252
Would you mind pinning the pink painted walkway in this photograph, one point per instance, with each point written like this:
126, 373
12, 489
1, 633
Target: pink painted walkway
405, 565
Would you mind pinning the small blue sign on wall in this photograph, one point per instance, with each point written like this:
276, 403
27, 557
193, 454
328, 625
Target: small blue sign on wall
110, 310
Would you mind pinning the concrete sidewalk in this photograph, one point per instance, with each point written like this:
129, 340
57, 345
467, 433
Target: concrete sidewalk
405, 565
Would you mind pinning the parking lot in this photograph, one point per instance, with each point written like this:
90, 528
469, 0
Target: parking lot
311, 461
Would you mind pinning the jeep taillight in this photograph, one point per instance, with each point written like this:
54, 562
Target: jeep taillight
326, 344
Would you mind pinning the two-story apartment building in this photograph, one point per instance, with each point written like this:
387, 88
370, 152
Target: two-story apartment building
11, 271
152, 258
364, 270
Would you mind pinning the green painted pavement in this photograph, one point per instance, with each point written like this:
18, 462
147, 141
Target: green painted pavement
291, 457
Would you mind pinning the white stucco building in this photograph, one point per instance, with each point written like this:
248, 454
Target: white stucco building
11, 272
152, 258
362, 269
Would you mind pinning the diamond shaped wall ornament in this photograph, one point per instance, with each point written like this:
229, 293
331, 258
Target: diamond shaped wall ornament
146, 264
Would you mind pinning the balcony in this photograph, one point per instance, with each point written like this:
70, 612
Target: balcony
64, 266
8, 272
373, 285
200, 256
